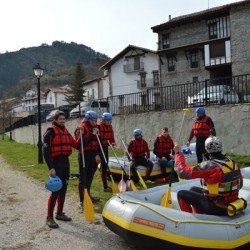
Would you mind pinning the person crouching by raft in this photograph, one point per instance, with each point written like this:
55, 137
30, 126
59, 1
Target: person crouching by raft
58, 143
220, 177
163, 146
139, 151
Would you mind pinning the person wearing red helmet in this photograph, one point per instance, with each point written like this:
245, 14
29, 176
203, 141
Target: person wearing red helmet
203, 127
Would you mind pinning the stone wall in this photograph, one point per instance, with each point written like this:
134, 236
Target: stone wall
232, 124
240, 45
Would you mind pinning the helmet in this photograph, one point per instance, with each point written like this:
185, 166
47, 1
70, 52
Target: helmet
200, 110
137, 132
53, 184
186, 151
213, 144
106, 117
90, 114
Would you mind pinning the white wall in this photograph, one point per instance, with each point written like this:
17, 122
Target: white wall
58, 99
125, 83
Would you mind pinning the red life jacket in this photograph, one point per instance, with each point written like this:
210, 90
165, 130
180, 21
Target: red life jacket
61, 143
139, 148
164, 145
106, 133
201, 128
87, 131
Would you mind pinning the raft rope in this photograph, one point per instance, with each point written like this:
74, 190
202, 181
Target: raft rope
177, 222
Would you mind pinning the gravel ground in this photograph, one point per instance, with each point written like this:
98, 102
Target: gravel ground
23, 206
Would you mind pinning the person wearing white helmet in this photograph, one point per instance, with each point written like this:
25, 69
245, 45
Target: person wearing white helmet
203, 127
107, 136
139, 151
221, 180
58, 143
89, 129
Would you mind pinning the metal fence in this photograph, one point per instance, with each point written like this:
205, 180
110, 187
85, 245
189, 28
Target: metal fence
228, 90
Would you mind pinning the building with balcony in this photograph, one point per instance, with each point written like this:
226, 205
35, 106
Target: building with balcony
133, 70
208, 44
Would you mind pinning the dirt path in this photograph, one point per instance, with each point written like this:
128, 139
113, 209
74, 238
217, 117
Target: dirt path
23, 204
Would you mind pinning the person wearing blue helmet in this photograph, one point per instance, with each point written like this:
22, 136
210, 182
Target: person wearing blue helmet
107, 136
203, 127
140, 155
58, 143
89, 129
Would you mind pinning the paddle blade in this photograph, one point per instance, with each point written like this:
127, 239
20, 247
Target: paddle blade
134, 188
122, 186
128, 185
166, 200
141, 180
114, 187
89, 212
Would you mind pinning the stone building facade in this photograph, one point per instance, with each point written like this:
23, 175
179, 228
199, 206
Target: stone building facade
205, 45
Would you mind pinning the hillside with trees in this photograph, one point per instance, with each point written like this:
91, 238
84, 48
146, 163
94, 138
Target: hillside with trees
58, 61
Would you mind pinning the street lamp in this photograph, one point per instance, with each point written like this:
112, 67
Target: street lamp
39, 73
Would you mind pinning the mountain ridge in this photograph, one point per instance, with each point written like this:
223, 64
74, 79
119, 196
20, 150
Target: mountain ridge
58, 61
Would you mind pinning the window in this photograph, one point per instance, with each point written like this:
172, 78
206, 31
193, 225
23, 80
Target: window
212, 30
143, 79
136, 63
217, 49
156, 78
165, 41
218, 27
171, 63
194, 60
195, 79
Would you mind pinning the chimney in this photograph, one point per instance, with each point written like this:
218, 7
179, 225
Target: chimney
169, 17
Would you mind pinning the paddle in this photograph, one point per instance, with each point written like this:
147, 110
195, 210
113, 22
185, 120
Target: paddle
114, 187
139, 175
122, 184
88, 208
166, 200
130, 183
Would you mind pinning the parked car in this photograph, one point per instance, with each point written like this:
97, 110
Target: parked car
218, 94
45, 109
50, 116
95, 105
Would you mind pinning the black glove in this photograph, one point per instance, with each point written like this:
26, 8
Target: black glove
212, 132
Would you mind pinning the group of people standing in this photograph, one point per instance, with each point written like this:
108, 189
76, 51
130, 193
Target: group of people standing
92, 140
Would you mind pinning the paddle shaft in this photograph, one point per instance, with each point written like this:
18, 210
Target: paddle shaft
139, 175
89, 212
183, 118
117, 159
83, 159
114, 188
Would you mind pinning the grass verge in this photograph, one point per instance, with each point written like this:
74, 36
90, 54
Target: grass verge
24, 158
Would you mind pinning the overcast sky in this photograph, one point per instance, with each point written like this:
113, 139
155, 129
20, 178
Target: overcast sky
107, 26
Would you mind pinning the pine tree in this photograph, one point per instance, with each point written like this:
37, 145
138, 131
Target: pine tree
76, 94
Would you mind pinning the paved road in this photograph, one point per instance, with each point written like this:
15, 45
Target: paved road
23, 204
